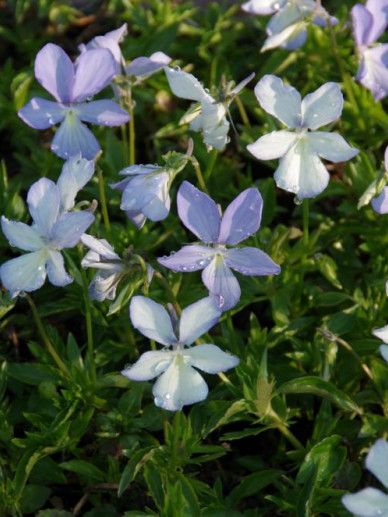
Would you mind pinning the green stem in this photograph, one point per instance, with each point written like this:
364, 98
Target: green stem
306, 215
285, 431
39, 324
211, 163
89, 325
243, 113
198, 172
103, 201
131, 129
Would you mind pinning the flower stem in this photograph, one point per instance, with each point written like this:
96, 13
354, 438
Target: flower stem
103, 201
242, 111
306, 216
211, 163
132, 134
50, 348
89, 325
198, 172
281, 426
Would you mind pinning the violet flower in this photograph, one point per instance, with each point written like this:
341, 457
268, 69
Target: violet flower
73, 85
143, 66
111, 41
217, 254
369, 23
179, 382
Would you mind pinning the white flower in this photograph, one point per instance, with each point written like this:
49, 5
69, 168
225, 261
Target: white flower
300, 150
382, 333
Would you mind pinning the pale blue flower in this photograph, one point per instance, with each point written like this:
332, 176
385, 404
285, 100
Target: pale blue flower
382, 333
111, 41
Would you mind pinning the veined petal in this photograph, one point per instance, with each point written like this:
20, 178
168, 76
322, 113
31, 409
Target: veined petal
196, 319
322, 106
56, 272
189, 258
362, 23
145, 66
384, 352
331, 146
100, 246
222, 284
242, 217
373, 72
377, 461
262, 7
43, 201
296, 40
137, 218
76, 172
41, 114
210, 358
24, 273
186, 86
94, 71
102, 113
21, 235
139, 169
73, 138
379, 11
285, 17
272, 145
158, 207
291, 37
280, 100
251, 261
55, 72
380, 203
103, 286
67, 231
149, 365
152, 320
198, 212
301, 171
179, 386
368, 502
217, 137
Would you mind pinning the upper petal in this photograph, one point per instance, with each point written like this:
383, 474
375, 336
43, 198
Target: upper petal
196, 319
322, 106
222, 284
377, 461
55, 72
368, 502
144, 66
198, 212
67, 231
210, 358
362, 23
262, 7
41, 114
73, 138
152, 320
189, 258
100, 246
373, 72
242, 217
148, 366
285, 17
94, 71
280, 100
251, 261
21, 235
43, 201
292, 37
102, 113
272, 145
24, 273
56, 272
76, 172
379, 11
186, 86
380, 203
384, 351
331, 146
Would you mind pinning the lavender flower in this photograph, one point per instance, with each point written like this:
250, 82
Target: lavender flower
72, 85
179, 383
382, 333
371, 502
111, 41
301, 170
200, 214
54, 228
380, 202
143, 67
369, 23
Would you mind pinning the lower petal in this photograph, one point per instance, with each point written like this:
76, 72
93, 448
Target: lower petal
102, 113
210, 358
41, 114
21, 235
331, 146
56, 272
73, 138
368, 502
25, 273
380, 203
272, 145
148, 366
67, 231
222, 284
188, 258
251, 261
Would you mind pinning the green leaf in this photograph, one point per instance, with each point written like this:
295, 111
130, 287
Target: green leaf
34, 496
84, 469
252, 485
132, 468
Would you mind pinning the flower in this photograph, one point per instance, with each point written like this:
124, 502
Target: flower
111, 41
380, 202
179, 383
146, 66
369, 23
72, 85
301, 170
54, 228
209, 116
371, 502
382, 333
200, 214
288, 27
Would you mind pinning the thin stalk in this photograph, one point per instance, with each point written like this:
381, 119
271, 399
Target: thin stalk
242, 111
168, 289
306, 217
89, 324
285, 431
198, 172
50, 348
211, 163
103, 201
132, 134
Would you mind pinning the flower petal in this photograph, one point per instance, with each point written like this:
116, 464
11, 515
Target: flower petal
362, 23
251, 261
73, 138
272, 145
322, 106
379, 11
67, 231
76, 172
56, 272
24, 273
380, 203
21, 235
102, 113
198, 212
196, 319
331, 146
384, 351
285, 17
43, 201
222, 284
55, 72
94, 71
291, 37
152, 320
377, 461
301, 171
189, 258
41, 114
145, 66
262, 7
179, 386
368, 502
242, 217
148, 366
280, 100
210, 358
373, 72
136, 217
186, 86
139, 169
100, 246
103, 286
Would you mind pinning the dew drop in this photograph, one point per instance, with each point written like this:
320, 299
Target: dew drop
177, 68
158, 401
221, 301
167, 396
